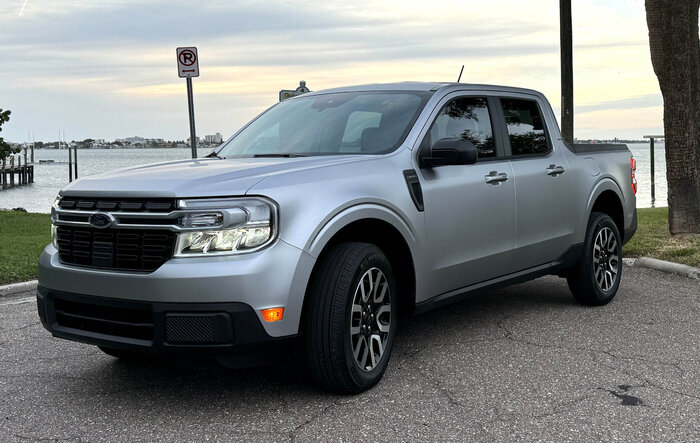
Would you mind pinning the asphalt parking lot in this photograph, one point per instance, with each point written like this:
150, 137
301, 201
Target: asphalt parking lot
521, 363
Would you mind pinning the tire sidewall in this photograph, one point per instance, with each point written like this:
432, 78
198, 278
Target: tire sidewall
366, 379
597, 224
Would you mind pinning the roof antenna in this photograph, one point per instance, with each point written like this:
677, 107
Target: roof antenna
460, 74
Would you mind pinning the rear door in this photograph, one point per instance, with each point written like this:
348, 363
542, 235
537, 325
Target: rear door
469, 209
542, 184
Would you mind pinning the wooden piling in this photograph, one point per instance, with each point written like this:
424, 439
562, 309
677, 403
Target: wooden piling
75, 162
651, 165
12, 171
70, 165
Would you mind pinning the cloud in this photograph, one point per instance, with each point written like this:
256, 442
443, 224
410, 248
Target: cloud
642, 101
85, 60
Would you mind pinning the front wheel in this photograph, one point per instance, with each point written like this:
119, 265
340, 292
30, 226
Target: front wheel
351, 318
596, 277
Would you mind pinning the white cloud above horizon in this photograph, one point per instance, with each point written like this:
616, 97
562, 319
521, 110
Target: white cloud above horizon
107, 69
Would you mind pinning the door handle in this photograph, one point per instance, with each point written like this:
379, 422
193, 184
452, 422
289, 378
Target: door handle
496, 177
555, 170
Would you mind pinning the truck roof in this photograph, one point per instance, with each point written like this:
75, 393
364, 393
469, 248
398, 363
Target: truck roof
427, 86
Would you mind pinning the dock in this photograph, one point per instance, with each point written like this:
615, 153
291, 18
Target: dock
12, 174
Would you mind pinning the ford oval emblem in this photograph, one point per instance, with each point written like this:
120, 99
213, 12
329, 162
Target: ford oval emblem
102, 220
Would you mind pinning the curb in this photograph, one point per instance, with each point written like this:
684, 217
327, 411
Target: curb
16, 288
667, 266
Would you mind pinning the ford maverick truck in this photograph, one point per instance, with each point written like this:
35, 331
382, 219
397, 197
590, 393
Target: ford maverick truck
327, 217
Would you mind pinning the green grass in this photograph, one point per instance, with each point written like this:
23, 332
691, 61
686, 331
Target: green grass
653, 240
22, 238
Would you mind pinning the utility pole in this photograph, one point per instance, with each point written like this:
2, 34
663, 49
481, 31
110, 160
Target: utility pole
567, 72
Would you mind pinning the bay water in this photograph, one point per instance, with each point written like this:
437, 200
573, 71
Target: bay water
50, 177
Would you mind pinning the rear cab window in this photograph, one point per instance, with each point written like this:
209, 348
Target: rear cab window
525, 126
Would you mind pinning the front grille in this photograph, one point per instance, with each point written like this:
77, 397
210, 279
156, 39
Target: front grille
117, 204
119, 322
120, 249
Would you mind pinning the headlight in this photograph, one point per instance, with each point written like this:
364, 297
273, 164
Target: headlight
225, 226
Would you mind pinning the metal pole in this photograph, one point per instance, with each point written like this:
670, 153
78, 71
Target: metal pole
75, 162
190, 104
567, 73
70, 166
651, 166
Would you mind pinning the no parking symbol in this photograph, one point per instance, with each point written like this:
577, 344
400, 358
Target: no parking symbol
187, 62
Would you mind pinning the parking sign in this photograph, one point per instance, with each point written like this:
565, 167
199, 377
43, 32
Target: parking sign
187, 62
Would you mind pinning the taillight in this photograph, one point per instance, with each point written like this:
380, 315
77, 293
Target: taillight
633, 169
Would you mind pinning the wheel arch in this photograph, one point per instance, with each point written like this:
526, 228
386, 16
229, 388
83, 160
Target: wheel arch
379, 226
607, 198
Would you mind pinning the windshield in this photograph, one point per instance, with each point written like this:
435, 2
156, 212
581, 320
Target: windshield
328, 124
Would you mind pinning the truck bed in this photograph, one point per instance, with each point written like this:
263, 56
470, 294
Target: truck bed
579, 148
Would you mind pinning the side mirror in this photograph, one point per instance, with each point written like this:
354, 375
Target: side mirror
449, 151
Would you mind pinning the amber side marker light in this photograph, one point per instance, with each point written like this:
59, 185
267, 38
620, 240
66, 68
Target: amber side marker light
272, 314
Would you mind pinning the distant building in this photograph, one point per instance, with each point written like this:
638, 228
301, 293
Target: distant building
99, 143
190, 138
136, 140
216, 138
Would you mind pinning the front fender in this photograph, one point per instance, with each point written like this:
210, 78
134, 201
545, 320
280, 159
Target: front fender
358, 210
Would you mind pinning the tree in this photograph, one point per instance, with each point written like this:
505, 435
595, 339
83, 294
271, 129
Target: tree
5, 148
675, 56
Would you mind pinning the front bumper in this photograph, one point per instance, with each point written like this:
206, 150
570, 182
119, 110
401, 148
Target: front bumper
156, 328
273, 277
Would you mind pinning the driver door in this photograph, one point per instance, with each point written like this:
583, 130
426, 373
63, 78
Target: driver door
469, 209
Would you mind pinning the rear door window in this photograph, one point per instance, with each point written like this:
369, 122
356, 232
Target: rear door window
525, 127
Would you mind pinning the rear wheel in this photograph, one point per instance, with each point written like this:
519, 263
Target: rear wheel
351, 318
596, 277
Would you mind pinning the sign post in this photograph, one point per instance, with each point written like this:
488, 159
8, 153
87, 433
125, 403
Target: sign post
188, 67
289, 93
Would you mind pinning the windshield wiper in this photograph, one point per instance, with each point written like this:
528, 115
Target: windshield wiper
213, 154
288, 155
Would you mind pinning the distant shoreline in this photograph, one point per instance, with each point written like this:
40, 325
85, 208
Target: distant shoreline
124, 147
217, 145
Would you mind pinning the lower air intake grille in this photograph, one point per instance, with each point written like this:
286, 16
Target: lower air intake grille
190, 329
120, 322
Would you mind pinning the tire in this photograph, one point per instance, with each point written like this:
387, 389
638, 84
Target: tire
340, 320
594, 280
124, 355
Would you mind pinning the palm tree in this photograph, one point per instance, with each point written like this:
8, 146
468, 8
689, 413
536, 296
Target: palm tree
675, 56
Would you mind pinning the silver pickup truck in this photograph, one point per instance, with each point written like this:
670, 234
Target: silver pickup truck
329, 216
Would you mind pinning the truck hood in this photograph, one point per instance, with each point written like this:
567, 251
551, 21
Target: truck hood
210, 177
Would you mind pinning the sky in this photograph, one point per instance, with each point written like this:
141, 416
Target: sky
107, 68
